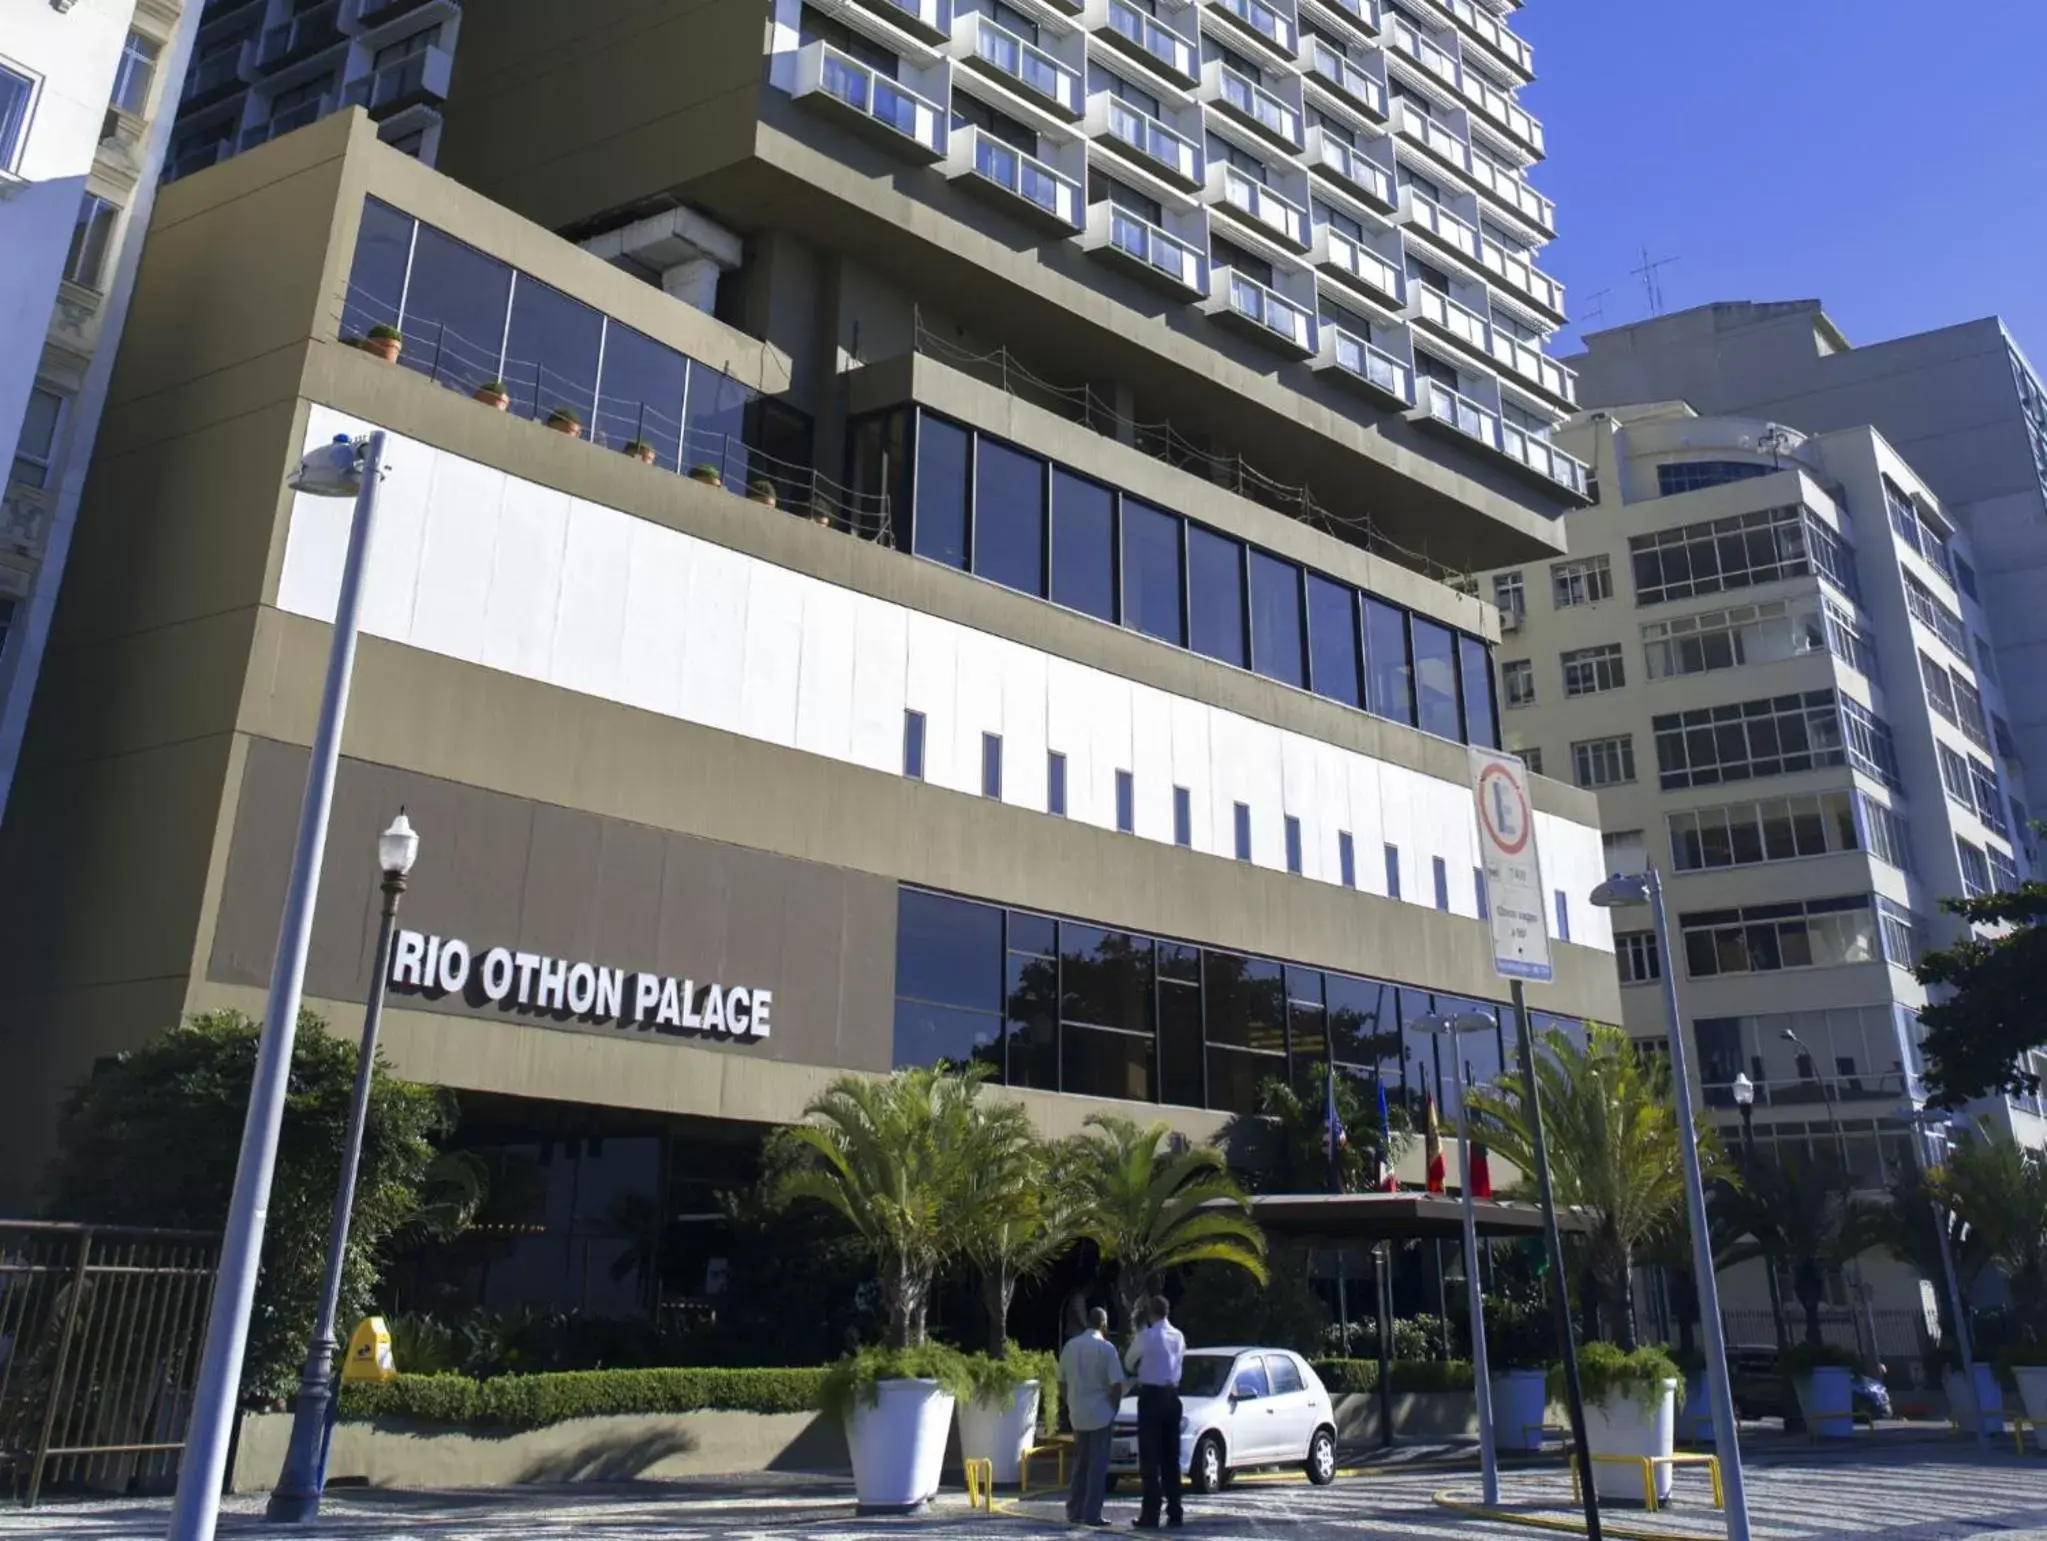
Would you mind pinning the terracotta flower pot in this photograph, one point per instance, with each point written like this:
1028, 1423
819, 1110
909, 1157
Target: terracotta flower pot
644, 453
707, 476
385, 348
491, 398
566, 425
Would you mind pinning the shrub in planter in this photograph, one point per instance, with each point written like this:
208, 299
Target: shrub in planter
1823, 1379
1014, 1401
761, 490
537, 1401
707, 474
1630, 1409
640, 450
566, 420
386, 342
492, 393
897, 1404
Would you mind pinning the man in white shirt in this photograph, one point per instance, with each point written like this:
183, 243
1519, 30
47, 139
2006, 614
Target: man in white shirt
1092, 1377
1155, 1358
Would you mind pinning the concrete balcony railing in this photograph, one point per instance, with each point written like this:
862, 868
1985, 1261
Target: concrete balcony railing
1505, 114
1477, 23
220, 74
1271, 214
1352, 358
1530, 365
1350, 169
1524, 278
1419, 128
1328, 67
1151, 252
1023, 67
867, 101
1337, 254
1425, 214
423, 77
1260, 311
1457, 412
1252, 104
1506, 189
1161, 150
1150, 41
304, 35
1458, 322
1022, 182
1543, 458
1410, 44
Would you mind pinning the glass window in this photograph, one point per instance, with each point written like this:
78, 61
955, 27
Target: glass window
1442, 874
15, 91
1246, 1028
1182, 1078
1363, 1025
640, 397
1583, 582
941, 517
85, 263
1031, 1003
1083, 545
1333, 641
714, 425
1243, 828
1055, 783
551, 353
1009, 517
1589, 670
1435, 679
1215, 585
1392, 871
1474, 667
913, 745
991, 765
1346, 859
1126, 802
35, 448
376, 279
133, 77
1293, 844
1154, 593
1276, 619
1105, 979
1563, 916
1603, 762
948, 980
1720, 554
1517, 679
1389, 673
1183, 817
455, 306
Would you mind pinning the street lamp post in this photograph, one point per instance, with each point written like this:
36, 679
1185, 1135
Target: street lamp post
1924, 1124
1745, 1099
1454, 1027
1647, 888
343, 468
296, 1497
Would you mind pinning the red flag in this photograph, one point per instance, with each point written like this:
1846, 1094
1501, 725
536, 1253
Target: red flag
1432, 1143
1481, 1172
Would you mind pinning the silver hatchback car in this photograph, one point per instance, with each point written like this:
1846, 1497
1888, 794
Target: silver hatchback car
1241, 1408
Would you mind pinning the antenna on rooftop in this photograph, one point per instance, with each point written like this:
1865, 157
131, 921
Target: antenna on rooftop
1652, 280
1592, 308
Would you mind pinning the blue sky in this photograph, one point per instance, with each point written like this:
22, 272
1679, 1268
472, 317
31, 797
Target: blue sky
1889, 158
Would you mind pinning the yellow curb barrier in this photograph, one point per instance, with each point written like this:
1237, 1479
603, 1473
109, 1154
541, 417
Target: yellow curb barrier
1446, 1500
980, 1473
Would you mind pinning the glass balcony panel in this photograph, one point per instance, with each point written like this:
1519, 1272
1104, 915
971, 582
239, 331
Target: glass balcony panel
1354, 168
1261, 105
1372, 365
1425, 53
1154, 38
1541, 456
1027, 177
1150, 245
1479, 24
1263, 20
1282, 216
1151, 138
1363, 264
1255, 302
1462, 413
1037, 70
1348, 78
1439, 221
1465, 325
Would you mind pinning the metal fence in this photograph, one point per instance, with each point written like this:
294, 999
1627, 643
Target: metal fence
100, 1334
1901, 1336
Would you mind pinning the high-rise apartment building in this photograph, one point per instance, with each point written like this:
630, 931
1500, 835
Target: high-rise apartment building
84, 94
914, 537
1757, 656
265, 67
1962, 404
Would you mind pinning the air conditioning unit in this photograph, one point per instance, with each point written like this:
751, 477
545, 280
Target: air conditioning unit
1510, 620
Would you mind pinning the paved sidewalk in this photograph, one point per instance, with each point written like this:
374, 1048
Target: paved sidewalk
1894, 1490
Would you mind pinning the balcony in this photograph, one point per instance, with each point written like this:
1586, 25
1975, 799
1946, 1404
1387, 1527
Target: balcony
372, 14
1479, 25
1447, 318
1457, 414
1524, 279
423, 78
929, 21
1410, 44
1351, 171
1359, 267
1259, 23
1532, 367
197, 158
1150, 41
1115, 124
1021, 183
1257, 207
1508, 191
292, 117
1136, 245
1419, 128
1259, 311
308, 33
867, 101
1360, 16
219, 75
1252, 105
1353, 85
1505, 115
1024, 68
1357, 362
1424, 214
1544, 459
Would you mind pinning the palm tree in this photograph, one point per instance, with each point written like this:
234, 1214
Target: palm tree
1907, 1224
1150, 1204
1302, 1125
1998, 1190
1019, 1211
892, 1158
1612, 1132
1800, 1213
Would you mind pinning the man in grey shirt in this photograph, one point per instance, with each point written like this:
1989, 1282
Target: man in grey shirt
1092, 1376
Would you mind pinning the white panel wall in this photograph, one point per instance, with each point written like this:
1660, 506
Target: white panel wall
488, 568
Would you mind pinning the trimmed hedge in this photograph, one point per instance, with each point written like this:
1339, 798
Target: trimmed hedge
535, 1401
1421, 1376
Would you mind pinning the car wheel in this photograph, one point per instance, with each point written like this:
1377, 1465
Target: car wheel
1206, 1472
1322, 1458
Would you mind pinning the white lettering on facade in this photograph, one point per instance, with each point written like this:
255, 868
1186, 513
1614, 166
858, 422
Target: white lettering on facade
762, 1001
526, 963
714, 1010
668, 1014
646, 995
454, 971
407, 957
554, 980
610, 991
690, 1019
497, 973
735, 1009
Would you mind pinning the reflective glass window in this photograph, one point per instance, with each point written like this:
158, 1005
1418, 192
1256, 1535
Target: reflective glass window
1154, 590
551, 353
640, 396
1246, 1028
1435, 679
1333, 641
1009, 517
1389, 674
948, 980
1215, 587
1083, 545
1181, 1078
1106, 1036
1363, 1023
376, 279
455, 305
1474, 665
714, 426
1276, 619
941, 517
1031, 1004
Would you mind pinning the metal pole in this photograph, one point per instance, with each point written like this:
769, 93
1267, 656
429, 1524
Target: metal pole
296, 1498
1481, 1379
1382, 1278
1957, 1307
204, 1466
1726, 1442
1748, 1161
1553, 1239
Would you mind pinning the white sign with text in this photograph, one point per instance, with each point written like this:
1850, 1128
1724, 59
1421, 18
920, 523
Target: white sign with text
1513, 870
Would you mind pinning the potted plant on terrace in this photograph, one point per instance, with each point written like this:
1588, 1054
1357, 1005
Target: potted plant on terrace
385, 341
492, 393
1823, 1379
1630, 1410
566, 420
1520, 1341
761, 490
891, 1157
706, 473
640, 450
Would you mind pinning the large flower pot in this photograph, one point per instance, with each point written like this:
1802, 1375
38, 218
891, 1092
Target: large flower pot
1520, 1399
1695, 1418
1974, 1399
1623, 1425
898, 1445
1826, 1395
2032, 1379
999, 1429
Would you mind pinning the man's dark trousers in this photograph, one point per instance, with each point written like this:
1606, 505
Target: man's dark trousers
1158, 1452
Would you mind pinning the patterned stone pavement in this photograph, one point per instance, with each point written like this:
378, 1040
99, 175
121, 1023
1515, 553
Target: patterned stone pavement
1892, 1491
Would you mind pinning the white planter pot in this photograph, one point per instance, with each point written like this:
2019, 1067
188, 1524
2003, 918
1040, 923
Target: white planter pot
1826, 1396
898, 1445
1965, 1396
999, 1430
2032, 1379
1621, 1425
1695, 1418
1520, 1399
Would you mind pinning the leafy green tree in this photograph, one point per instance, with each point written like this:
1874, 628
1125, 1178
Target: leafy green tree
892, 1157
1145, 1202
1221, 1303
1977, 1038
151, 1137
1611, 1125
1797, 1213
1020, 1210
1907, 1224
1998, 1190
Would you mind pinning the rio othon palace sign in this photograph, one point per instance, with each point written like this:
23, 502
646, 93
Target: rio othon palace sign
563, 988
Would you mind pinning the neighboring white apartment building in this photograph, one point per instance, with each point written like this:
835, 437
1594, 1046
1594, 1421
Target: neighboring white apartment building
265, 67
1757, 655
82, 132
1961, 403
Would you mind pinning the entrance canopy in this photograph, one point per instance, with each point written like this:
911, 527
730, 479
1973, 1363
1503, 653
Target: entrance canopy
1365, 1218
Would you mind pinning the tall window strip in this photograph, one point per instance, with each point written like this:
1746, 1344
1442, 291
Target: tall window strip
1603, 762
1899, 929
1943, 622
1716, 555
1584, 582
913, 745
1767, 938
1588, 671
2004, 872
1871, 749
1748, 739
1055, 783
1126, 803
1922, 534
1729, 639
1972, 785
1183, 817
1293, 844
1884, 832
991, 765
1769, 829
1847, 641
1940, 690
1975, 869
1637, 955
1243, 826
1346, 859
1392, 871
1441, 872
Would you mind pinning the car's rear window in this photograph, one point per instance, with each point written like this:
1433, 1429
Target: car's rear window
1285, 1377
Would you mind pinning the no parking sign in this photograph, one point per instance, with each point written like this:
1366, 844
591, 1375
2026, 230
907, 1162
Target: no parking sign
1513, 870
